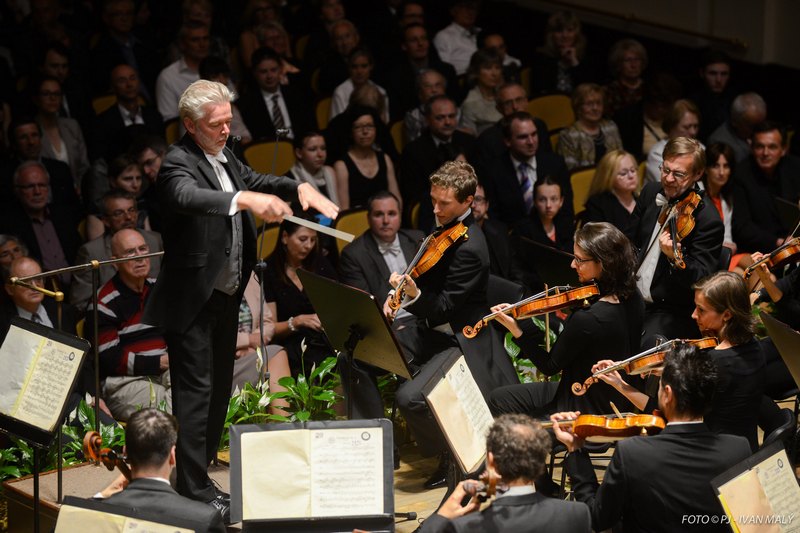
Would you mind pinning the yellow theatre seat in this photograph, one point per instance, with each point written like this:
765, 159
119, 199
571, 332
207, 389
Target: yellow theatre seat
353, 221
554, 109
260, 156
580, 180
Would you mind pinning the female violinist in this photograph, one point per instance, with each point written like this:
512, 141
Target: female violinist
611, 325
722, 310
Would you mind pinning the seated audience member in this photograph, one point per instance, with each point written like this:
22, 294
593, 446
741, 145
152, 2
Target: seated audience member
747, 110
333, 70
496, 232
666, 288
715, 95
494, 42
626, 61
478, 111
75, 97
119, 212
215, 69
547, 223
682, 120
256, 15
563, 62
359, 66
310, 153
584, 143
149, 151
62, 138
200, 12
11, 248
612, 194
509, 176
768, 173
150, 438
133, 355
124, 174
254, 329
429, 83
720, 188
320, 21
516, 455
439, 142
126, 112
630, 493
640, 125
457, 42
50, 231
363, 170
26, 145
403, 83
194, 40
267, 106
276, 37
610, 325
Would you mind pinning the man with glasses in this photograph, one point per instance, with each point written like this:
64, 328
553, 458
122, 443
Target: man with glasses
665, 286
133, 355
119, 212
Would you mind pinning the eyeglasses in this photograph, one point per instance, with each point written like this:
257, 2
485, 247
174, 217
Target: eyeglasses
479, 199
580, 261
119, 213
679, 176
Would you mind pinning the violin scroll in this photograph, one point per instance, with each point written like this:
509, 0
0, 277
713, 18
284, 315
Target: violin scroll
470, 331
92, 443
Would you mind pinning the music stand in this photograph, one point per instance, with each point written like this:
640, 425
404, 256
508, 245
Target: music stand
355, 326
41, 366
787, 342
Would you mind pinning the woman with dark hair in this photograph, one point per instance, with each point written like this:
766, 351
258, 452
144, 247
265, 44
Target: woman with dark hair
310, 153
627, 61
547, 224
562, 63
720, 165
363, 170
611, 325
485, 73
295, 319
722, 310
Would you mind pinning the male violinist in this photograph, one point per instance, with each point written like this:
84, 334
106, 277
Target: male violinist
663, 482
665, 286
445, 298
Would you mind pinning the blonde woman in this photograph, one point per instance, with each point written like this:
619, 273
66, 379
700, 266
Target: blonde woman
612, 194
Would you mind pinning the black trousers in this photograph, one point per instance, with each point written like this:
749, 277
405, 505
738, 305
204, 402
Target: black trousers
201, 367
533, 399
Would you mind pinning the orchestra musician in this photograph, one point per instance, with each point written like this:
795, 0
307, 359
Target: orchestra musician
665, 286
722, 310
444, 299
654, 483
610, 325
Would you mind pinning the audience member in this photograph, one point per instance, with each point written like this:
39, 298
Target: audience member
256, 15
359, 65
715, 96
149, 151
627, 60
11, 248
75, 102
321, 44
747, 110
457, 42
124, 174
119, 212
612, 193
494, 42
682, 120
547, 224
429, 83
496, 232
585, 142
333, 71
309, 167
479, 111
720, 189
133, 355
215, 69
563, 62
193, 39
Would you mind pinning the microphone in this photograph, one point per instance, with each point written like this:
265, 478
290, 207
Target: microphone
282, 132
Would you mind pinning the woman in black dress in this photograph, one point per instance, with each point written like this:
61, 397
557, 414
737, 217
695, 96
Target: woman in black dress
613, 192
295, 318
610, 325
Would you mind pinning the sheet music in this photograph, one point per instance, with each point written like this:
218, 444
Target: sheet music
72, 519
35, 386
347, 472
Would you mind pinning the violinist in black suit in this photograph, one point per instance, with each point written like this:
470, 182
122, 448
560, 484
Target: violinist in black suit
658, 483
210, 248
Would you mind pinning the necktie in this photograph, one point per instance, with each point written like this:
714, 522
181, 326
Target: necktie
35, 318
446, 152
525, 186
277, 116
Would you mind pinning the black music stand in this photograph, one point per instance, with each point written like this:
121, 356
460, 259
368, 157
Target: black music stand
355, 326
27, 348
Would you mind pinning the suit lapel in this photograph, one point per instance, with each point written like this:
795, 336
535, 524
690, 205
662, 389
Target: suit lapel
376, 256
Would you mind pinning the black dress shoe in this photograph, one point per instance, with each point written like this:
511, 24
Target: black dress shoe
439, 476
219, 493
224, 507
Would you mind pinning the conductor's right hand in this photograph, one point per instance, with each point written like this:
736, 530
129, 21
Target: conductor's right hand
266, 206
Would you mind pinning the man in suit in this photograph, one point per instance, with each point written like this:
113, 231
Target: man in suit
447, 297
267, 105
127, 112
666, 288
516, 451
686, 456
509, 177
119, 212
209, 241
150, 438
500, 253
439, 143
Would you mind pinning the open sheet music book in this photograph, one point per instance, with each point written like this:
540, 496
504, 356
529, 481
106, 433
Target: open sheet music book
462, 413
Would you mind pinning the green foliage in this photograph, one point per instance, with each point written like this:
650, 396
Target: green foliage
526, 370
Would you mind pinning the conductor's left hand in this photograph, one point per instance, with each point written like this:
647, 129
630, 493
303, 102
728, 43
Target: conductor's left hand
310, 197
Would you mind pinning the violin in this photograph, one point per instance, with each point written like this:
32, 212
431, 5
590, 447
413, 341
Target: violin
681, 224
482, 489
611, 428
786, 253
432, 250
546, 301
644, 362
92, 443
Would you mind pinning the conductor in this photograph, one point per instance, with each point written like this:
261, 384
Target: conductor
206, 195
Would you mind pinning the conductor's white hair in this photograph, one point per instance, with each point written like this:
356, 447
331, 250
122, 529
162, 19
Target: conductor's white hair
200, 94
